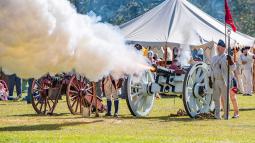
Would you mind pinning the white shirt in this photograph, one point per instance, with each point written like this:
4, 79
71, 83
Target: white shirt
219, 67
249, 59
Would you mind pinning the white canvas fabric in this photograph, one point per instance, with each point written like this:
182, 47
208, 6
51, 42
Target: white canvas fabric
176, 22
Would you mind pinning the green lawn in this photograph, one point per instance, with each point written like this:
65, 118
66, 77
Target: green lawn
19, 123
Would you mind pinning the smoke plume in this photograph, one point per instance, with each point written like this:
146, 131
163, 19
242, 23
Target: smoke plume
48, 36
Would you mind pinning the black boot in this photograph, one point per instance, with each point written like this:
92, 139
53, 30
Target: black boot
109, 107
116, 107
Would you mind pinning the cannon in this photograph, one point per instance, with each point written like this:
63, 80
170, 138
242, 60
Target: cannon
191, 82
80, 94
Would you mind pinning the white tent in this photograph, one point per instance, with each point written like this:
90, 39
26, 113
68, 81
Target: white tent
176, 22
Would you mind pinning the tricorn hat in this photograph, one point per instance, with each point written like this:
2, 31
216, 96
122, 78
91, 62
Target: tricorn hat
221, 43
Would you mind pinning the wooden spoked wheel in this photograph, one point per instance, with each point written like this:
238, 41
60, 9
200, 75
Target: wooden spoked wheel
78, 95
197, 94
44, 96
139, 101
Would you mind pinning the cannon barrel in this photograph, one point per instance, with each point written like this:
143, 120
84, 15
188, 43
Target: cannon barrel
161, 70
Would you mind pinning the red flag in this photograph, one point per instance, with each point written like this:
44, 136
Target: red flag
228, 17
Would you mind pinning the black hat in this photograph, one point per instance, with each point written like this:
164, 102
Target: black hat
138, 46
247, 47
243, 49
221, 43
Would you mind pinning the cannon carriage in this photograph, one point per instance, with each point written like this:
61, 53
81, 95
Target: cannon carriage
191, 82
80, 94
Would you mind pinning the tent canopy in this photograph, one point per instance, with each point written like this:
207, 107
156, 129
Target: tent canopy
176, 22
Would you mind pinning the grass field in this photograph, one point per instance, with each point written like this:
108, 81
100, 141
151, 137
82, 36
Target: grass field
19, 123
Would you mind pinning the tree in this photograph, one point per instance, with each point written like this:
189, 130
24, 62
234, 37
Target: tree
243, 12
244, 16
80, 5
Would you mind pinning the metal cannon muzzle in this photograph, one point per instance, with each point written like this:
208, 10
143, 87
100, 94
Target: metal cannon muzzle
160, 70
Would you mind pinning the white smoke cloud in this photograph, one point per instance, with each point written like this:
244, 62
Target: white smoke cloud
40, 36
185, 55
185, 47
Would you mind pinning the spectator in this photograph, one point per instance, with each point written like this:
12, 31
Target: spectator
233, 93
3, 92
247, 63
176, 54
14, 80
29, 91
150, 57
239, 69
155, 58
138, 47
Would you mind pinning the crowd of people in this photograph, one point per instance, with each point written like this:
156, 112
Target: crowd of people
241, 76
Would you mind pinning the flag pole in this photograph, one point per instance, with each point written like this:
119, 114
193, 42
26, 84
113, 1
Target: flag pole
228, 84
228, 74
253, 48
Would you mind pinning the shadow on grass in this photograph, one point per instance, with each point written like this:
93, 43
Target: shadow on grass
45, 127
130, 117
176, 119
163, 118
34, 115
246, 109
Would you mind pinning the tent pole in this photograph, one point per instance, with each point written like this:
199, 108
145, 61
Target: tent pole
235, 52
165, 55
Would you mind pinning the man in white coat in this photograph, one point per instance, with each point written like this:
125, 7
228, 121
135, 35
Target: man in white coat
218, 77
246, 59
